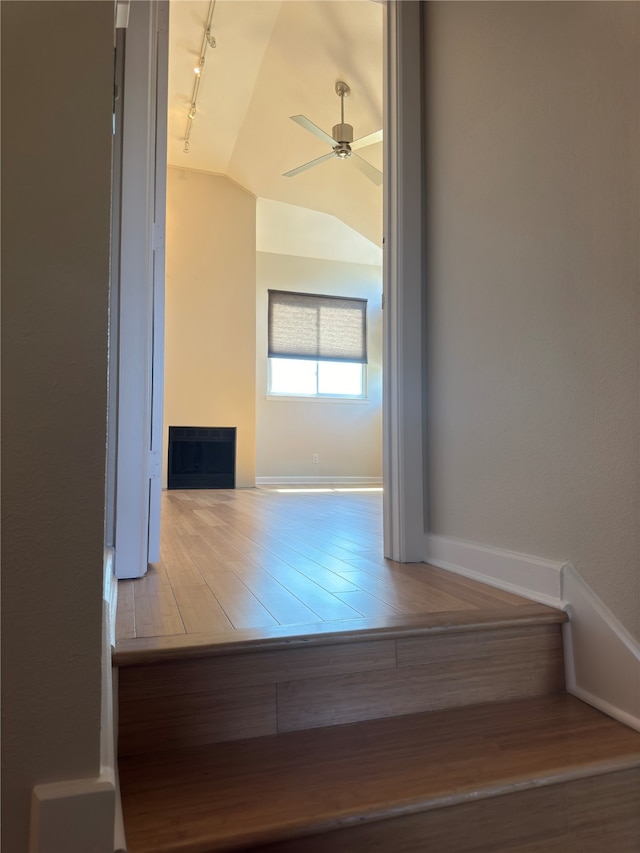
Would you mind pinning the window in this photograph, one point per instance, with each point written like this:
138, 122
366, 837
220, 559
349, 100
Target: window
291, 376
317, 345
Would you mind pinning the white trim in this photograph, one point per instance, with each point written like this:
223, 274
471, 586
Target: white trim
122, 14
81, 814
109, 699
631, 720
290, 398
107, 727
403, 439
602, 659
77, 814
113, 371
521, 574
136, 292
571, 577
161, 80
110, 595
318, 481
119, 839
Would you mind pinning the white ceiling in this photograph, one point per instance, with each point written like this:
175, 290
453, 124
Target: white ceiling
275, 59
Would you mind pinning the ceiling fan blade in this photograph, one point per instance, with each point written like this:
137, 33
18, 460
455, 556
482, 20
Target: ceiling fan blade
369, 139
367, 169
309, 165
303, 121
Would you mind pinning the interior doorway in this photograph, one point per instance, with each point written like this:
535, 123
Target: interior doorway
256, 208
402, 324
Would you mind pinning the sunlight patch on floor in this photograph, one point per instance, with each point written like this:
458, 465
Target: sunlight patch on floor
306, 491
372, 489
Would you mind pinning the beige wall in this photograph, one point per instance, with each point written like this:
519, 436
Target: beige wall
210, 310
346, 435
533, 270
57, 86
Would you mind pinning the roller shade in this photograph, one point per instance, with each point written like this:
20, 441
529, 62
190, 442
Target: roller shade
317, 328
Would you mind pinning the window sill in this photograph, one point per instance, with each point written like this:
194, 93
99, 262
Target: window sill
291, 398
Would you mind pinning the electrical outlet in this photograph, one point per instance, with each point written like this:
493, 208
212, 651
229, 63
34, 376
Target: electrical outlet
315, 458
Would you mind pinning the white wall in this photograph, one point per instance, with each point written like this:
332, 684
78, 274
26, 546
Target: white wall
216, 328
210, 310
57, 87
346, 435
287, 229
532, 284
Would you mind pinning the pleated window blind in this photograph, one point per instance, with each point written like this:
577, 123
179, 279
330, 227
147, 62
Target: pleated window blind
317, 328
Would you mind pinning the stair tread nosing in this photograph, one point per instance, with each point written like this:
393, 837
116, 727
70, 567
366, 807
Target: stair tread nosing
150, 650
229, 795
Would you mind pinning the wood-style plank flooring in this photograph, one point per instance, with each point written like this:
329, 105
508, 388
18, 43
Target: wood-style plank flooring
543, 752
264, 561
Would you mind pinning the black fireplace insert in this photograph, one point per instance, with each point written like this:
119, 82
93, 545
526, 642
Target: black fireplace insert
202, 457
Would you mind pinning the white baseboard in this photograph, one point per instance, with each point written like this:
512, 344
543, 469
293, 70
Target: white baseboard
109, 721
85, 814
79, 815
521, 574
318, 481
119, 839
602, 659
73, 816
110, 595
109, 607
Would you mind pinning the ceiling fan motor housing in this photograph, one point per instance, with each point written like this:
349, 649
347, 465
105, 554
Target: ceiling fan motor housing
343, 133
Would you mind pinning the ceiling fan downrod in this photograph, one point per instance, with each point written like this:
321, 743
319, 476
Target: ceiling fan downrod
342, 133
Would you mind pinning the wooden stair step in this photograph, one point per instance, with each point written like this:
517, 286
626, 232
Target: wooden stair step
523, 775
238, 690
146, 650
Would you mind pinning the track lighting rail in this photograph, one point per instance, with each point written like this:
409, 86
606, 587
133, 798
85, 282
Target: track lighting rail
208, 40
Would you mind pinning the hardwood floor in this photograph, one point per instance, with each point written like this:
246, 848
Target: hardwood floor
271, 563
482, 778
283, 688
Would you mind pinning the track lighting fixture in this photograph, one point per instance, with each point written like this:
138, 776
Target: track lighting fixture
208, 40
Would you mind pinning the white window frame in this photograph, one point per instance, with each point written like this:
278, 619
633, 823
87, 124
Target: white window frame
346, 398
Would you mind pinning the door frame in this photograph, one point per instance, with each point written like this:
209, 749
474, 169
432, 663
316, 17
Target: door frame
404, 472
140, 282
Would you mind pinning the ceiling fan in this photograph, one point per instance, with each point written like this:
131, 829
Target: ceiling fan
342, 141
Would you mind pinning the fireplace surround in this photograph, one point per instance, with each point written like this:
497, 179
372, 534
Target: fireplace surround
202, 457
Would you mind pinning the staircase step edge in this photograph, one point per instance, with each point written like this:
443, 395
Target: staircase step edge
145, 650
304, 828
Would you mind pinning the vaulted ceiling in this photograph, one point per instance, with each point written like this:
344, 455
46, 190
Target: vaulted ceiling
274, 59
